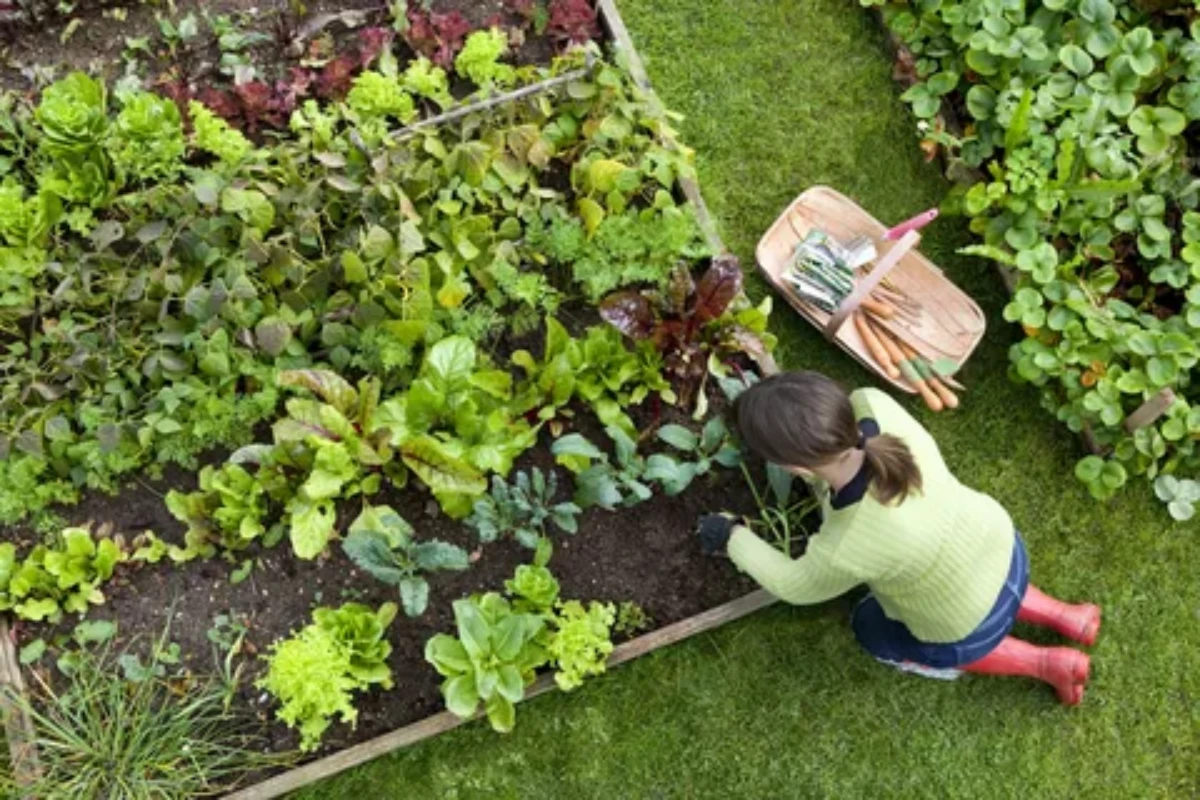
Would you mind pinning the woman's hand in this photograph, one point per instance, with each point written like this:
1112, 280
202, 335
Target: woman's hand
714, 531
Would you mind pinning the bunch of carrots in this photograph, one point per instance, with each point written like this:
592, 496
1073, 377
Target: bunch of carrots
898, 360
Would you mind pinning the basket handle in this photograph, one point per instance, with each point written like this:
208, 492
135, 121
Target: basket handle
867, 285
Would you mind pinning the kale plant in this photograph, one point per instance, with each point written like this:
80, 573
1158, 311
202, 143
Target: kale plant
522, 509
381, 543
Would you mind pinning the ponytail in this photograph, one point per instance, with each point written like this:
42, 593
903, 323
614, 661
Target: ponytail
894, 471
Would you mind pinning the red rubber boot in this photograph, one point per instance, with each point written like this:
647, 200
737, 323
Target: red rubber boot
1063, 668
1079, 622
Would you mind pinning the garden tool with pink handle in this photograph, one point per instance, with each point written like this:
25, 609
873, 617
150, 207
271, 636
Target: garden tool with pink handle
914, 224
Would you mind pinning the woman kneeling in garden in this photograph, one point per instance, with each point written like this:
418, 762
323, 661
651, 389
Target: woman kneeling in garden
948, 574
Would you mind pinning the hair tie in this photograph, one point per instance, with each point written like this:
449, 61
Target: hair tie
862, 441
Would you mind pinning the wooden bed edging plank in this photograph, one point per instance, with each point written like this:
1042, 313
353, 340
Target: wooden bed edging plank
18, 727
445, 721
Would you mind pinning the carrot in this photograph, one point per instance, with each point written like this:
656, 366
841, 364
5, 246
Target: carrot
948, 398
909, 371
878, 307
875, 347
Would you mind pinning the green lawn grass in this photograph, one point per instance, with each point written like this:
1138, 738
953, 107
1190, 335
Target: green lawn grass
780, 95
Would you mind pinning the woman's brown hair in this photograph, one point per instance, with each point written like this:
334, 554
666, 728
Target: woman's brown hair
804, 419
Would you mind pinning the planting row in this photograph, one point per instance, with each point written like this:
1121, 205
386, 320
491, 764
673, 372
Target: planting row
1079, 120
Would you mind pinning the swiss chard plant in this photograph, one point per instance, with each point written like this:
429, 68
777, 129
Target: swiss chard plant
691, 321
523, 509
381, 543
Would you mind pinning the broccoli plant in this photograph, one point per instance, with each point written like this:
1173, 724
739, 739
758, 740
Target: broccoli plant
599, 482
491, 661
522, 509
713, 445
381, 543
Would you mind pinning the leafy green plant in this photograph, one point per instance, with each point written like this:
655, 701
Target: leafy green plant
606, 251
315, 673
228, 513
522, 509
692, 321
534, 587
1180, 494
377, 95
177, 740
72, 116
1077, 126
713, 445
381, 543
491, 661
631, 619
581, 641
425, 79
480, 57
598, 369
64, 576
455, 423
213, 135
599, 482
146, 140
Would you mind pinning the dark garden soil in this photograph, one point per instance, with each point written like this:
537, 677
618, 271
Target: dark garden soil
647, 554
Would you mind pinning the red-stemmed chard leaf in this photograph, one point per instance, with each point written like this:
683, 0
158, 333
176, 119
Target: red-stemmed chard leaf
716, 289
630, 313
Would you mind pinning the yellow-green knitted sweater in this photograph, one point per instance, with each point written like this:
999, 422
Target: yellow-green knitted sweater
936, 562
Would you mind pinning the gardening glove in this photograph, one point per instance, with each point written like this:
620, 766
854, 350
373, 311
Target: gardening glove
714, 531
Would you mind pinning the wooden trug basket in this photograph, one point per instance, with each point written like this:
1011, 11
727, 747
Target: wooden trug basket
950, 324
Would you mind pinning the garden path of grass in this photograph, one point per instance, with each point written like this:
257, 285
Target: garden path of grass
780, 95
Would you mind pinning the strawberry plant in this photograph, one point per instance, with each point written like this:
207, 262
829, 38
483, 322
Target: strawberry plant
1077, 124
381, 544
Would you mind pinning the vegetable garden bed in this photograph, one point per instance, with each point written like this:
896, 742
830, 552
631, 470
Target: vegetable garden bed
171, 620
